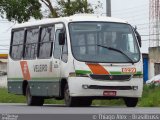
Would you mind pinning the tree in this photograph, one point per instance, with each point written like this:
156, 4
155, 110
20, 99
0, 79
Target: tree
23, 10
49, 5
20, 10
67, 8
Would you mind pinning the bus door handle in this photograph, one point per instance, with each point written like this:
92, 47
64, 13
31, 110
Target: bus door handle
56, 64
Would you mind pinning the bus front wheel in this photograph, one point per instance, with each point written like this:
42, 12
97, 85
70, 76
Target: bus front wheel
33, 100
69, 100
75, 101
131, 102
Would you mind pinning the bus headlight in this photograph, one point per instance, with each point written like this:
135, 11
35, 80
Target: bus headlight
135, 87
85, 86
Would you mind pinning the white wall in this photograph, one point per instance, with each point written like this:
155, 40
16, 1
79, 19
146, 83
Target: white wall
151, 69
3, 67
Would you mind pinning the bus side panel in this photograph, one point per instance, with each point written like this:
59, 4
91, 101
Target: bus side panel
14, 77
44, 77
15, 87
41, 76
45, 89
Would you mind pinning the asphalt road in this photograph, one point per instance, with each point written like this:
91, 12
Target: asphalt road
61, 109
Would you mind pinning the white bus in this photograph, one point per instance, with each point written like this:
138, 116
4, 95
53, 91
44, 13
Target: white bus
78, 58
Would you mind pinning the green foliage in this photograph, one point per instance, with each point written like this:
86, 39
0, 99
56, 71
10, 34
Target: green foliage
23, 10
116, 102
53, 101
5, 97
20, 10
150, 97
67, 8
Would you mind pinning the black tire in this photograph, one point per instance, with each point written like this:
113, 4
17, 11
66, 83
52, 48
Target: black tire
69, 101
33, 100
85, 102
131, 102
75, 101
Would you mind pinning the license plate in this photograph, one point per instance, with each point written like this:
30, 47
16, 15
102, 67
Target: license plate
109, 93
128, 70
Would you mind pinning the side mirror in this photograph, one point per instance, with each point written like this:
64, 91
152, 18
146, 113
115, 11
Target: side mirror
138, 37
61, 38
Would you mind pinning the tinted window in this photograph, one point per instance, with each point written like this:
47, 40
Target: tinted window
31, 44
17, 44
32, 35
46, 42
18, 37
65, 52
57, 47
103, 42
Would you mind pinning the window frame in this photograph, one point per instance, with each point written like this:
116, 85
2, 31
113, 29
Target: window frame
59, 45
66, 43
133, 33
62, 46
11, 43
25, 36
30, 28
52, 42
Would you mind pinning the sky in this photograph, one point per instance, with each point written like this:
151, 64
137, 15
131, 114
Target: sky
136, 12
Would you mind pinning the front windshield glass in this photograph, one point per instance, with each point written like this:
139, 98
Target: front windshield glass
103, 42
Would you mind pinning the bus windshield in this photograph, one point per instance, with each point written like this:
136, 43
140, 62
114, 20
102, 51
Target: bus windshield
103, 42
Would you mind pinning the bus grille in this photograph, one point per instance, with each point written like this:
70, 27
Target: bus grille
111, 77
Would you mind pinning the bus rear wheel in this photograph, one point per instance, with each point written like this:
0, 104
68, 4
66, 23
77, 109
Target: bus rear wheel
33, 100
131, 102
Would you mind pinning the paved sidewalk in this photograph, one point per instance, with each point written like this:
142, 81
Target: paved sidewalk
3, 81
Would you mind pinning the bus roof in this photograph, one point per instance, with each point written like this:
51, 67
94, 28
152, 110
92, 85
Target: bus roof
74, 18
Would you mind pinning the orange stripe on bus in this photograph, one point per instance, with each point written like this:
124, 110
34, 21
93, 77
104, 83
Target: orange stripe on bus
25, 70
98, 69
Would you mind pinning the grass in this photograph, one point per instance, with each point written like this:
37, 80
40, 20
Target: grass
116, 102
150, 98
5, 97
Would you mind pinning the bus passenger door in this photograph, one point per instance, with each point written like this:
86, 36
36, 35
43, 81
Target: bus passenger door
57, 51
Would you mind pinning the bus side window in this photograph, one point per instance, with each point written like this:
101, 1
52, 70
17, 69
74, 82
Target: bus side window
31, 43
57, 47
16, 50
46, 42
65, 51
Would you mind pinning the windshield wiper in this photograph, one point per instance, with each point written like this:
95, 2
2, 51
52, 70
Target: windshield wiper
114, 49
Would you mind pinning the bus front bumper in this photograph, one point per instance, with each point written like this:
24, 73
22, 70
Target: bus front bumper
86, 87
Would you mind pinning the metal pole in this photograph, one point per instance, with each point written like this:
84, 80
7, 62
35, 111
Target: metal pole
108, 8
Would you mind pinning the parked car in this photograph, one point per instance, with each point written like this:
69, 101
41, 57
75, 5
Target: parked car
154, 80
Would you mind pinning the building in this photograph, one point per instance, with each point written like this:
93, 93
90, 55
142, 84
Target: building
154, 61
